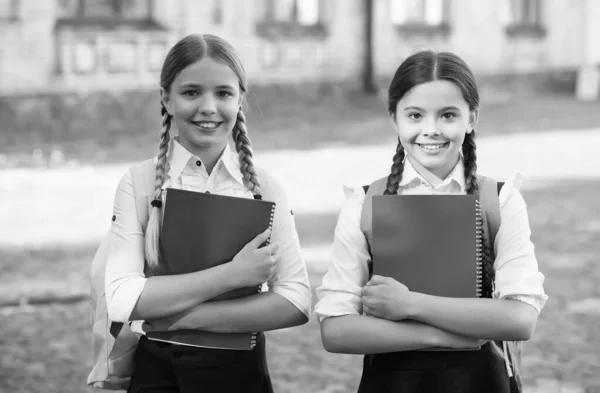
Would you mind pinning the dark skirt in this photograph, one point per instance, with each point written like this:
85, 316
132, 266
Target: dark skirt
162, 367
479, 371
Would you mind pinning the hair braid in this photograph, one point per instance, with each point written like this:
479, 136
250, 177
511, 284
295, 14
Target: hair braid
394, 178
152, 237
469, 150
244, 149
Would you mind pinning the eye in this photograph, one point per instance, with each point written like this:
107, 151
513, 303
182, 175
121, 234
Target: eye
190, 93
414, 116
449, 116
224, 94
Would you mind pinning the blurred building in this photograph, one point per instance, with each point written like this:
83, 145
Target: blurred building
84, 44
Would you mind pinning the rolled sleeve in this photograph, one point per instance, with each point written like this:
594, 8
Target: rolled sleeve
516, 267
341, 290
291, 280
124, 274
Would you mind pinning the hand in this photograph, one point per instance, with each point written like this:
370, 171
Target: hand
254, 265
386, 298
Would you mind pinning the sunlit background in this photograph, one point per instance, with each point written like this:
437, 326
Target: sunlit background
79, 104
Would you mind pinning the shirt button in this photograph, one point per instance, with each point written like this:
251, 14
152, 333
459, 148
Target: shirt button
198, 163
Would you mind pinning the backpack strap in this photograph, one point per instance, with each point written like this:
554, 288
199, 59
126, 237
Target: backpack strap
144, 178
489, 190
366, 215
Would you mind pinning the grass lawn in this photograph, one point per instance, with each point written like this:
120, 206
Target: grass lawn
45, 348
279, 119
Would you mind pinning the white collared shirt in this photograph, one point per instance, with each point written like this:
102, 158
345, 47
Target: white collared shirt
517, 275
125, 279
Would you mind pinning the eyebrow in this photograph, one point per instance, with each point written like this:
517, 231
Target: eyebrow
446, 108
195, 85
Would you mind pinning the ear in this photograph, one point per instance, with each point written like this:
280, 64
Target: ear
473, 117
165, 98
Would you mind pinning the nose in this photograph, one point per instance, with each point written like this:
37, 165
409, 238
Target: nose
431, 128
207, 105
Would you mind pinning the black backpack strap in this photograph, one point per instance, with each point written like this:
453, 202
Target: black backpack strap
499, 186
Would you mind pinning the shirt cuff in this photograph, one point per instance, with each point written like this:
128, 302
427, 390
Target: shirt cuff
300, 300
519, 285
124, 297
336, 305
533, 301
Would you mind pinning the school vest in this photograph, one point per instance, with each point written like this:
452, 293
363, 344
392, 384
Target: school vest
489, 190
113, 343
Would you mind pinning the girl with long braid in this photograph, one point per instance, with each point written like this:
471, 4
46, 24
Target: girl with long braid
203, 87
433, 103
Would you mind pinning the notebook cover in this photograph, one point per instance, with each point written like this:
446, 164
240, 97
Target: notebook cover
200, 231
430, 243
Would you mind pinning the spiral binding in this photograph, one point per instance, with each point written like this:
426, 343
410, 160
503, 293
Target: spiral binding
254, 334
478, 248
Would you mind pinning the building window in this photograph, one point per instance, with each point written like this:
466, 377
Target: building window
525, 18
420, 16
291, 18
9, 10
107, 13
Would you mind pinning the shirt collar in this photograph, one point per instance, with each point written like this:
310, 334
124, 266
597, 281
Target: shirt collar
410, 176
180, 157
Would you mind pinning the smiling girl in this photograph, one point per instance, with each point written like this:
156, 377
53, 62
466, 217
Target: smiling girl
203, 87
434, 105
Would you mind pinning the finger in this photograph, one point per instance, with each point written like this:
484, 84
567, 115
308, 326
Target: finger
366, 310
376, 280
365, 291
271, 249
147, 327
258, 240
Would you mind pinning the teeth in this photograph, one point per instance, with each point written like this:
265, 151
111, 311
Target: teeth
207, 124
432, 147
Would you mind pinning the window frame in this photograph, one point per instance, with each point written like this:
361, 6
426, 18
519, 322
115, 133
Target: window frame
522, 27
422, 27
116, 20
14, 12
269, 27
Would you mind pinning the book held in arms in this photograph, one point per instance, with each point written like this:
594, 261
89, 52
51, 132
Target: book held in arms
430, 243
200, 231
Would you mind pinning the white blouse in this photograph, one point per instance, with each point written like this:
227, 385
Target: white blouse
517, 275
125, 279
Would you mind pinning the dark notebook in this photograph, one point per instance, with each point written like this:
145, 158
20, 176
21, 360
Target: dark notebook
430, 243
200, 231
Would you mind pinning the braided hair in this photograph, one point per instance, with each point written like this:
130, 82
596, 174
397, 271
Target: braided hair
187, 51
428, 66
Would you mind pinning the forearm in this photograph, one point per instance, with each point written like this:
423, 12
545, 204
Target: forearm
359, 334
487, 319
257, 313
167, 295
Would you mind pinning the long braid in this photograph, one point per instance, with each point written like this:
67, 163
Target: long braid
395, 176
152, 238
469, 150
244, 149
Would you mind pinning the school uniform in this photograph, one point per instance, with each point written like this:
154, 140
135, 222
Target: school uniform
188, 369
516, 277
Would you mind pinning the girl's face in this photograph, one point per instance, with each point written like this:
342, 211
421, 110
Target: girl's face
204, 100
432, 120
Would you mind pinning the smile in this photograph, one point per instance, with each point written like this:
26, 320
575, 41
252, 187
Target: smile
206, 125
433, 147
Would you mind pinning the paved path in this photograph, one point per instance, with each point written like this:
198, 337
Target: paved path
73, 205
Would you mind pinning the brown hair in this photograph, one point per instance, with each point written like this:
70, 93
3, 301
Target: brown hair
428, 66
187, 51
